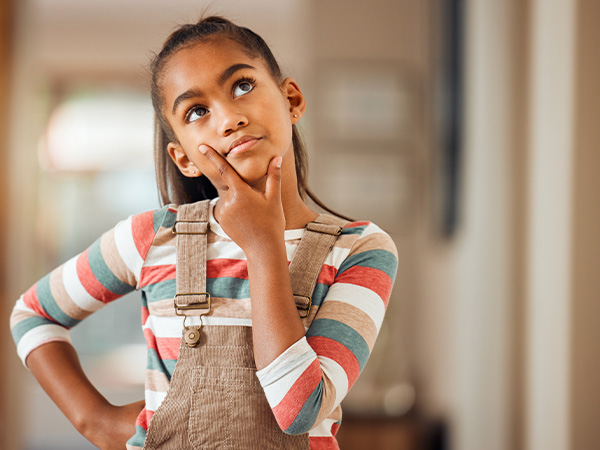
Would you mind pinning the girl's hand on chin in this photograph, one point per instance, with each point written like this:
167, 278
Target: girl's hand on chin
252, 218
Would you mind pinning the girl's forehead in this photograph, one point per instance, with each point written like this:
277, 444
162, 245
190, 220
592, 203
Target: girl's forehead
210, 54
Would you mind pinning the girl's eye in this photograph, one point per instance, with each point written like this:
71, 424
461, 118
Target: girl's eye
195, 113
242, 88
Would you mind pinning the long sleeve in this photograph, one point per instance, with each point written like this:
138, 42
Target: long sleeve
105, 271
306, 383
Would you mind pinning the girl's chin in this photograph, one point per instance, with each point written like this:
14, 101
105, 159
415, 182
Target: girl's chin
252, 174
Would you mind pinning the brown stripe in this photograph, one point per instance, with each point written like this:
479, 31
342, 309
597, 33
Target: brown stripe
220, 307
18, 316
327, 400
351, 316
62, 298
156, 381
164, 237
112, 258
375, 241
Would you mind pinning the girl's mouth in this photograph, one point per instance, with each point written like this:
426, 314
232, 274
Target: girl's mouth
242, 144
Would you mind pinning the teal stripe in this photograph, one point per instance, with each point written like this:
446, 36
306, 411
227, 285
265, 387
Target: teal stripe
26, 325
144, 299
375, 259
46, 300
319, 294
166, 366
228, 287
309, 412
162, 290
163, 218
354, 230
344, 334
139, 438
103, 274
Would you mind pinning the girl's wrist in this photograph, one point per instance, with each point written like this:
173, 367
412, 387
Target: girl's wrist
265, 249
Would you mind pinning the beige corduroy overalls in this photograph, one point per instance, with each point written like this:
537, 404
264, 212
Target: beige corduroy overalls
215, 400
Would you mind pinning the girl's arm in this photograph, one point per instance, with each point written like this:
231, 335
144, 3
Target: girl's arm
56, 367
41, 318
255, 221
309, 380
305, 379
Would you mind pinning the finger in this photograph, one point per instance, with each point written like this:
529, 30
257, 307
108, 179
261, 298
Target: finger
227, 173
273, 185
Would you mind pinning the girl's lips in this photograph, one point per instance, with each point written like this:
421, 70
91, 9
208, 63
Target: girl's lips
242, 144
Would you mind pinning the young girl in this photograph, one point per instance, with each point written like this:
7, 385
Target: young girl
238, 356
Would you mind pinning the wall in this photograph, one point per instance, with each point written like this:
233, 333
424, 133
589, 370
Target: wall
584, 389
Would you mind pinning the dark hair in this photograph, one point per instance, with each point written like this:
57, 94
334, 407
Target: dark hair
173, 186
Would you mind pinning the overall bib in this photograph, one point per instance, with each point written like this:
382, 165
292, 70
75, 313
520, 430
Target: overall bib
215, 400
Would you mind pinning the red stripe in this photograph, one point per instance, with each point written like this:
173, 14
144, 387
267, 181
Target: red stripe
142, 229
327, 275
323, 443
89, 281
154, 274
144, 419
370, 278
288, 409
165, 348
357, 224
329, 348
31, 300
334, 428
234, 268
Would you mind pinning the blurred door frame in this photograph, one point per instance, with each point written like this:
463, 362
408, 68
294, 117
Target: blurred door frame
7, 10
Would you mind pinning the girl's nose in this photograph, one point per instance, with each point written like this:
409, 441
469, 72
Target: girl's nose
231, 120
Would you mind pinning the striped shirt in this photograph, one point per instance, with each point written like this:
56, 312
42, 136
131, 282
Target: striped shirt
304, 385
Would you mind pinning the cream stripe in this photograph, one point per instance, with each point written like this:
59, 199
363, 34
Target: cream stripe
75, 289
336, 256
279, 376
160, 256
225, 250
38, 336
362, 298
170, 327
126, 246
154, 399
323, 429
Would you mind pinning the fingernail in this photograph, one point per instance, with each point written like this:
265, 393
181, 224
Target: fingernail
202, 149
278, 162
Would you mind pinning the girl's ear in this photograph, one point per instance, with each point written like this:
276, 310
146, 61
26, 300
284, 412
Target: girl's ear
181, 160
295, 98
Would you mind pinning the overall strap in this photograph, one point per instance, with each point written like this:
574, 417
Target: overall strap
191, 230
318, 240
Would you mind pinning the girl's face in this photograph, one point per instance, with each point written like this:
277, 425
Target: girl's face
216, 95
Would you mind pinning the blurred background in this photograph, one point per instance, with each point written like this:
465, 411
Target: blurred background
467, 129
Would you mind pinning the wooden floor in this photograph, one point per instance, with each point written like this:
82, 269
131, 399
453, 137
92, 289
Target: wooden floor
382, 434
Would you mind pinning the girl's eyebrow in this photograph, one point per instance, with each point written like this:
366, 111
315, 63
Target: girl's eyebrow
227, 73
